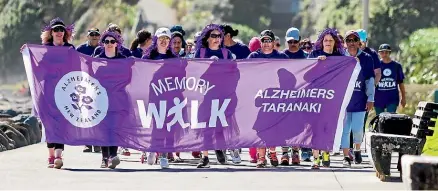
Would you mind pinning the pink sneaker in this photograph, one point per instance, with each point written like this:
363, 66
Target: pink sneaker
51, 162
253, 153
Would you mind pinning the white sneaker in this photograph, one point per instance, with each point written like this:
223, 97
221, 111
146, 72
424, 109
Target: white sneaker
151, 158
113, 162
235, 157
164, 163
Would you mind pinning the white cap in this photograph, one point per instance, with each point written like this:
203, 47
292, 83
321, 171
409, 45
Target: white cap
162, 32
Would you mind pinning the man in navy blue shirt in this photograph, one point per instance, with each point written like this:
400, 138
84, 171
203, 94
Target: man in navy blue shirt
93, 41
293, 42
267, 38
87, 48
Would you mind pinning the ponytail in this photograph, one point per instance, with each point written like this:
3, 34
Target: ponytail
134, 44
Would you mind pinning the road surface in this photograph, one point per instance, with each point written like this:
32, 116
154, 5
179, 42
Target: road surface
25, 168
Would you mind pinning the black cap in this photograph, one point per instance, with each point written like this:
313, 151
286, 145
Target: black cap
267, 33
93, 30
57, 24
384, 47
229, 30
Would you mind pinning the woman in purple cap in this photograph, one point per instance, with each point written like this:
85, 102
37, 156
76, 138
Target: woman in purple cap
328, 44
57, 34
111, 43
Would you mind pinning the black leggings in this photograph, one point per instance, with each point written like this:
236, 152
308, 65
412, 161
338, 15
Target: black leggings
55, 145
110, 151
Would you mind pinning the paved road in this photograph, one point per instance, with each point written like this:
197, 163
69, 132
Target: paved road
25, 168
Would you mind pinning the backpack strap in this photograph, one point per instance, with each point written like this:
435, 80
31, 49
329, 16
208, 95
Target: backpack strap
225, 53
202, 53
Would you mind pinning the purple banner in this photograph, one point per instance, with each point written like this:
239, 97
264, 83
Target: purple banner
189, 104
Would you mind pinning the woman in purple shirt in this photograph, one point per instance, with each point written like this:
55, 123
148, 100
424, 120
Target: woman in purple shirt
56, 34
328, 44
111, 43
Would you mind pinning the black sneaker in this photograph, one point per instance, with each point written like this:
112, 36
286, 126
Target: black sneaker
221, 158
97, 149
357, 157
346, 162
204, 163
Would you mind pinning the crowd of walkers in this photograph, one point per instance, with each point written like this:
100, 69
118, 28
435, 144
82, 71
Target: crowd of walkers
379, 84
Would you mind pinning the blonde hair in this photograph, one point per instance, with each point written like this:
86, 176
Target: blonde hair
46, 36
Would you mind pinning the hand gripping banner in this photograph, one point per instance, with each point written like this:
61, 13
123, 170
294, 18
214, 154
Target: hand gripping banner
189, 104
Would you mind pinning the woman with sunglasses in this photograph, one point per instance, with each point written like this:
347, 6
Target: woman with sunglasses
306, 46
56, 34
122, 50
144, 40
328, 44
209, 45
111, 43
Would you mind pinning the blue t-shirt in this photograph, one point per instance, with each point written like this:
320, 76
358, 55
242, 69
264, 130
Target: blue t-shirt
316, 53
154, 55
216, 53
126, 52
387, 89
300, 54
138, 52
374, 55
102, 55
273, 55
86, 49
359, 98
240, 50
65, 44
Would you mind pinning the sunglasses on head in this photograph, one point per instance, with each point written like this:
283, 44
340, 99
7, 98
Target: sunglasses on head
109, 41
58, 29
215, 35
350, 40
293, 42
94, 34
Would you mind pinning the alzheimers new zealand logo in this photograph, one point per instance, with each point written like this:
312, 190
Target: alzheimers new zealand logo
81, 99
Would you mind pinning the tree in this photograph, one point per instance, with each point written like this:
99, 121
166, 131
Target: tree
393, 21
419, 56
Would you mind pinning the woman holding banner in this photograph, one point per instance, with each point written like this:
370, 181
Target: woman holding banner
328, 44
56, 34
160, 49
210, 45
111, 43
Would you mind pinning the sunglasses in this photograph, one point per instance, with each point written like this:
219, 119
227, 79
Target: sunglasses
277, 45
94, 34
109, 41
215, 36
350, 40
307, 47
293, 42
266, 41
58, 29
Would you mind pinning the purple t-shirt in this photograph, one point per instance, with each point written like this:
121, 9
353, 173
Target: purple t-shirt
240, 50
300, 54
387, 89
374, 55
102, 55
273, 55
65, 44
138, 52
210, 53
359, 98
126, 52
316, 53
155, 55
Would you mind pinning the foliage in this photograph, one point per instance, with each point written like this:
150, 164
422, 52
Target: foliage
419, 56
394, 20
22, 22
254, 13
245, 33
